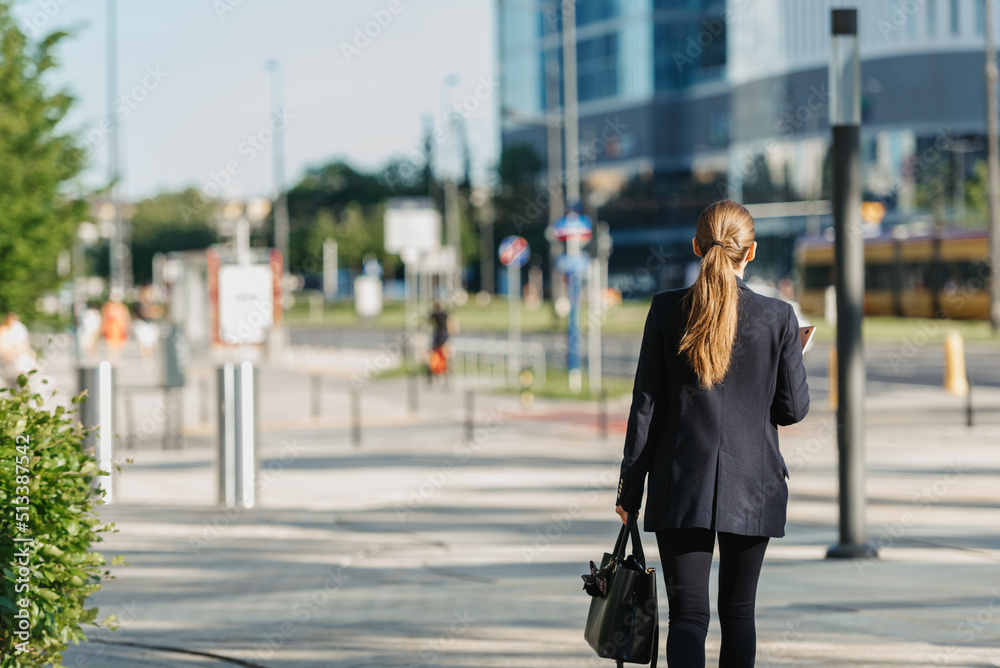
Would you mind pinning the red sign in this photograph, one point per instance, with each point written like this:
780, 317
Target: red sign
514, 250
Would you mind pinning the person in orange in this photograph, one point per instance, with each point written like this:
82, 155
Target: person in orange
115, 324
443, 327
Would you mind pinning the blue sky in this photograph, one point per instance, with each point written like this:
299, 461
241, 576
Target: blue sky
196, 91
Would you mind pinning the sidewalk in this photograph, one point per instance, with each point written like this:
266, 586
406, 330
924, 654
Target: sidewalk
420, 549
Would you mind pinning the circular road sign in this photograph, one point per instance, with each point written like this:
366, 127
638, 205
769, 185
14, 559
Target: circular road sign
514, 251
573, 226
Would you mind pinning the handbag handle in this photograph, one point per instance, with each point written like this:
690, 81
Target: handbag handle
631, 526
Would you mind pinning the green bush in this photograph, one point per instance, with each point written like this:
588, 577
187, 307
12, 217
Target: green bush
42, 458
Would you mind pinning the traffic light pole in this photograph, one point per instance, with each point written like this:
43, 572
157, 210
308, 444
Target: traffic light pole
845, 119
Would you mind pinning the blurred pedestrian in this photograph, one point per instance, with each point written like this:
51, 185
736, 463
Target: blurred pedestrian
442, 327
720, 367
90, 330
16, 354
115, 325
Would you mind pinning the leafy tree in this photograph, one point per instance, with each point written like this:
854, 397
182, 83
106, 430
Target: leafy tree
934, 190
169, 222
333, 187
47, 481
359, 232
520, 205
401, 179
324, 227
354, 200
339, 202
38, 162
976, 196
518, 166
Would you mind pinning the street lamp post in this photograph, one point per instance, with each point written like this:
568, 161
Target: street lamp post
570, 105
450, 120
571, 127
845, 121
993, 164
597, 283
117, 251
554, 148
281, 221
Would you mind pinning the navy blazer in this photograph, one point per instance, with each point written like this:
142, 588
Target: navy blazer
712, 454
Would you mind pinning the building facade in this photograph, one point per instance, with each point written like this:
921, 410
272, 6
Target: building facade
683, 102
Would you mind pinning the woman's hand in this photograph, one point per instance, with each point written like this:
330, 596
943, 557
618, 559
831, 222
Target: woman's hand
622, 513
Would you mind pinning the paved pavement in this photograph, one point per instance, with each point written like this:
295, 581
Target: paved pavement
419, 548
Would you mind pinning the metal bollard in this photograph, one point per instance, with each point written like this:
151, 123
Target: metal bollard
133, 438
355, 415
411, 392
968, 402
832, 375
173, 424
97, 415
237, 435
317, 389
602, 413
203, 391
470, 415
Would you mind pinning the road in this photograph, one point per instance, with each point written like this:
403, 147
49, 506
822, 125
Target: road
908, 362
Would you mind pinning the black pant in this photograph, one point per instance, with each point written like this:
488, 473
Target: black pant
687, 563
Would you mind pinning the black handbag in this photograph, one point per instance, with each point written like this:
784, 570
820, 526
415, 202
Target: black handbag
623, 623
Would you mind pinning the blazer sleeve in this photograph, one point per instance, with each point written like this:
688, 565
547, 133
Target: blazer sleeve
644, 416
791, 393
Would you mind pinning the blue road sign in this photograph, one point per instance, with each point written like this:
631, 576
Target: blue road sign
514, 251
573, 226
573, 264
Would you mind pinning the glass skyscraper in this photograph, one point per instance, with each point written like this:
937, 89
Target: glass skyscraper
683, 102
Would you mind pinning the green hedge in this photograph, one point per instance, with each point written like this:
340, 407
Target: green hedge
47, 485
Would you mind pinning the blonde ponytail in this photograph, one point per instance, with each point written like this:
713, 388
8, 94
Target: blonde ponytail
724, 235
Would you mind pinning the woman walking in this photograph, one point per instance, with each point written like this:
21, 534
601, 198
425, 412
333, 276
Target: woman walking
719, 369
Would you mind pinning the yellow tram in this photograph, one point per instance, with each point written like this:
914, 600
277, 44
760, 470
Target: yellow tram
943, 273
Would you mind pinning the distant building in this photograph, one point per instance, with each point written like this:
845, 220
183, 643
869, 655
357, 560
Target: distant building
683, 102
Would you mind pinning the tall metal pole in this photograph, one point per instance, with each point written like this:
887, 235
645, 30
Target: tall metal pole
572, 121
277, 121
594, 372
993, 165
574, 334
487, 282
571, 127
452, 217
557, 204
115, 254
553, 127
597, 282
845, 120
513, 324
452, 221
330, 269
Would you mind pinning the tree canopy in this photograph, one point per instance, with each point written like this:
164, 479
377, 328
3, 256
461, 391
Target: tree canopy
38, 165
169, 222
340, 202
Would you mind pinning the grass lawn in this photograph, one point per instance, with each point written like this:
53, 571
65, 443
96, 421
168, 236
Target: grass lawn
626, 319
557, 386
886, 329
